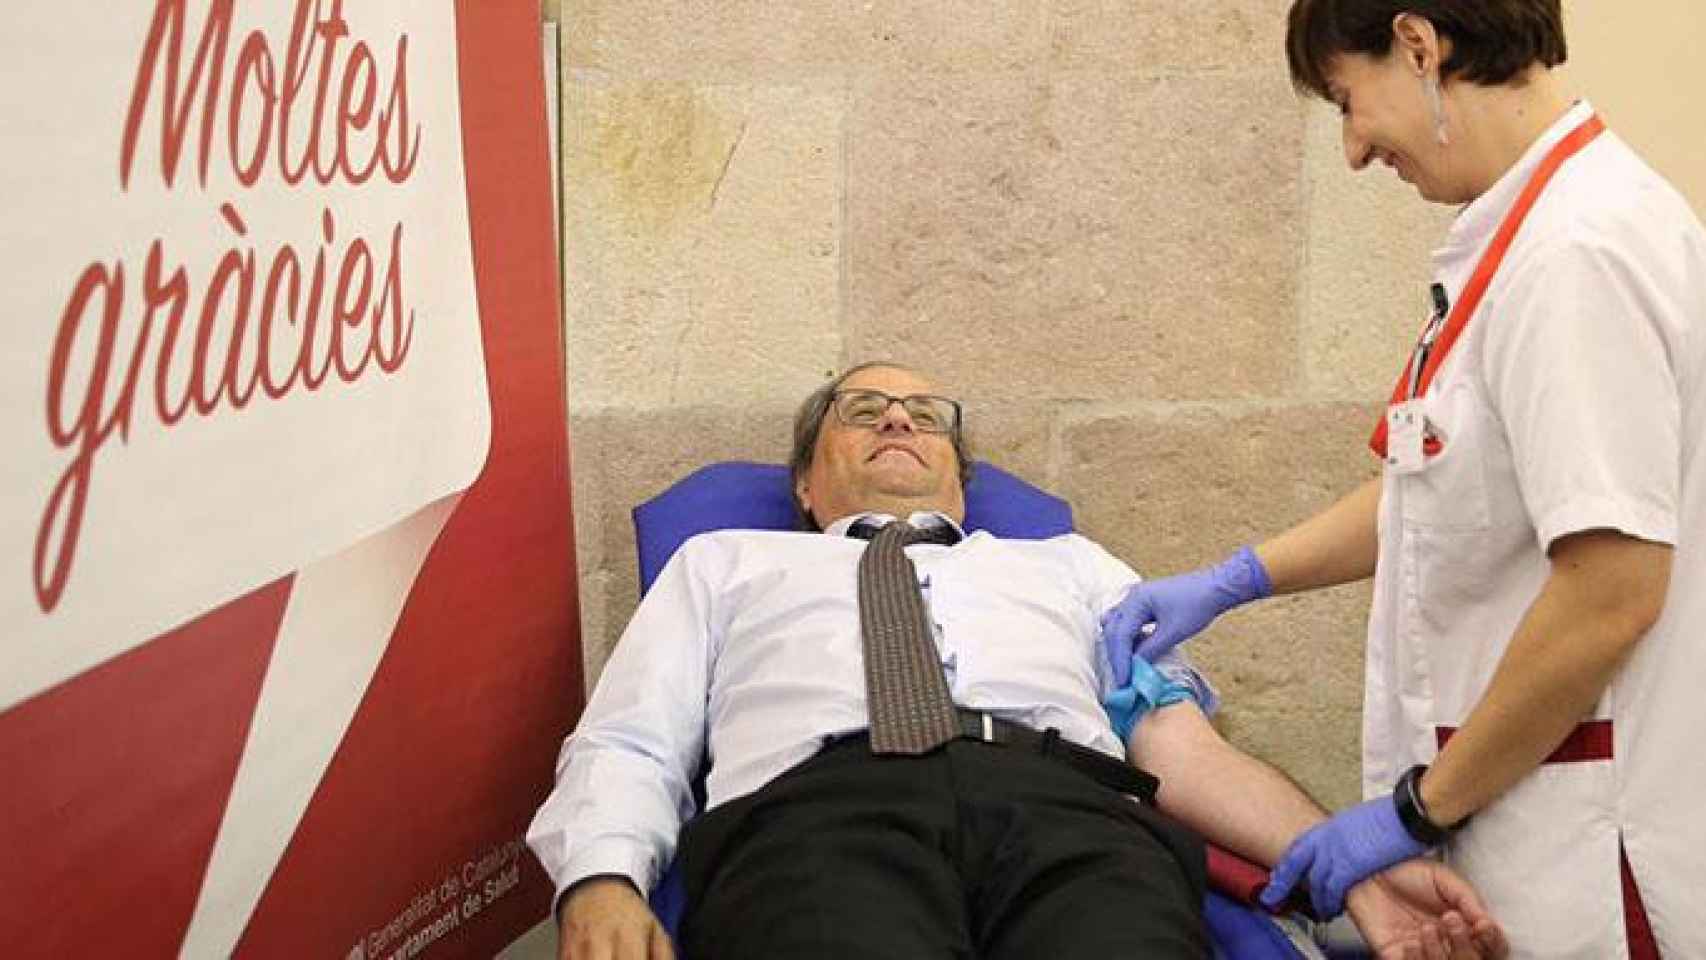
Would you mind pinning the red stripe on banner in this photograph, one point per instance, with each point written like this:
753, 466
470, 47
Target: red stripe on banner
1590, 740
452, 748
115, 783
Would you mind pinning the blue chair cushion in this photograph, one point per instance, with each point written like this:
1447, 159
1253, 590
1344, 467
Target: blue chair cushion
1240, 931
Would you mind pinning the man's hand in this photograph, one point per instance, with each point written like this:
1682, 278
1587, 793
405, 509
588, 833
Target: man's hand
1421, 909
605, 919
1178, 607
1340, 853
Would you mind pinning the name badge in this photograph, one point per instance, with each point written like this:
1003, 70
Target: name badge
1404, 435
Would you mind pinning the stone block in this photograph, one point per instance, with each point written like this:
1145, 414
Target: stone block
1366, 278
1172, 487
621, 458
1078, 237
702, 241
1290, 674
1017, 437
759, 39
1123, 35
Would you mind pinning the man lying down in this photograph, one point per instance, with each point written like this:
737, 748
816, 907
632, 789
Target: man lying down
909, 753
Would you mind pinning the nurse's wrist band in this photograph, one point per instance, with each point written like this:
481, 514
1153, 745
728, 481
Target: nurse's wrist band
1407, 797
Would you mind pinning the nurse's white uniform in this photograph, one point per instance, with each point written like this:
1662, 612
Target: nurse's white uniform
1573, 401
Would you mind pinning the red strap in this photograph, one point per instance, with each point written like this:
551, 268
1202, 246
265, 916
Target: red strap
1470, 298
1233, 875
1237, 878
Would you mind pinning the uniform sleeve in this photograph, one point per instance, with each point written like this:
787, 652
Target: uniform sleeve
1578, 368
624, 775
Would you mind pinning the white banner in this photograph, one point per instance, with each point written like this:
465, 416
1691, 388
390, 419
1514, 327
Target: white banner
252, 273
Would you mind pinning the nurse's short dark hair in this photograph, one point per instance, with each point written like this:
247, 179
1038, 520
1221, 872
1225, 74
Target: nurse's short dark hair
808, 423
1492, 41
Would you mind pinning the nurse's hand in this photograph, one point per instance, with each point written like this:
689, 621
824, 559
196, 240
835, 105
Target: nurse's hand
1421, 908
1178, 608
1340, 853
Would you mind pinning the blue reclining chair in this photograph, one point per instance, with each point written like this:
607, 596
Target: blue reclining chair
755, 496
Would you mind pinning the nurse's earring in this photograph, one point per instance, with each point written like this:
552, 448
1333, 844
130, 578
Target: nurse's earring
1430, 87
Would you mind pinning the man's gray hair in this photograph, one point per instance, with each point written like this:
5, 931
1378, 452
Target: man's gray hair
808, 423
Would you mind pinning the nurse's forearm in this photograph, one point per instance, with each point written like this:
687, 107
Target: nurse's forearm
1604, 592
1337, 545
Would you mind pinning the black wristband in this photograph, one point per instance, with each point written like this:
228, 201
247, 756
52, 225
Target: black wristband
1407, 797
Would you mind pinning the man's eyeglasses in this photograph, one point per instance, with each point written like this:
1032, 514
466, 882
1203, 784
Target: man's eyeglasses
865, 408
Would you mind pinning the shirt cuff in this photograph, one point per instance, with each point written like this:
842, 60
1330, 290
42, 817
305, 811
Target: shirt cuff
606, 856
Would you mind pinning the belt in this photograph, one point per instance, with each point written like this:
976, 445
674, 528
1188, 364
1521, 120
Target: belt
1590, 740
1111, 773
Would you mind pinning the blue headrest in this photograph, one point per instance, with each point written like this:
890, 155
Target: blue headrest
758, 496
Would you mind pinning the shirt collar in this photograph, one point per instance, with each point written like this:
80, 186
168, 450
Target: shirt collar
1477, 221
921, 519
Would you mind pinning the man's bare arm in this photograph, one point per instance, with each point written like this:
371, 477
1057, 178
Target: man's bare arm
1416, 908
1222, 793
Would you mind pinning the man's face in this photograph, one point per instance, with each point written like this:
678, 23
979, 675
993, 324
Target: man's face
890, 467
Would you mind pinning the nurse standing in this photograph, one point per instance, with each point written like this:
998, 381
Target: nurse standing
1537, 644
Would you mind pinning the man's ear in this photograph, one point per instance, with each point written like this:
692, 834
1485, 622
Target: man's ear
802, 494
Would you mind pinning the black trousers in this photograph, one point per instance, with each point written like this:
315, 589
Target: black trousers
973, 850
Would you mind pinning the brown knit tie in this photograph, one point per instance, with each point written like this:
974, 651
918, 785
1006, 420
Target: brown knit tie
907, 696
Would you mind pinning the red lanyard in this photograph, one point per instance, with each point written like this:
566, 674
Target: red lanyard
1431, 351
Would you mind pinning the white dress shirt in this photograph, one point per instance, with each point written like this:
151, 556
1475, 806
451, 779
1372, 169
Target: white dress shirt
752, 639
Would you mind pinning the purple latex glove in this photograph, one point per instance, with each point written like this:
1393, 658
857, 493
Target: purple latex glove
1179, 607
1340, 853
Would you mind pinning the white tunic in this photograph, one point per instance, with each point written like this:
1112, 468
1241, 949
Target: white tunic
1573, 401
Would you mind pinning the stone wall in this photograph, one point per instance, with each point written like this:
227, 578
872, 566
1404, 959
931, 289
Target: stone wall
1108, 225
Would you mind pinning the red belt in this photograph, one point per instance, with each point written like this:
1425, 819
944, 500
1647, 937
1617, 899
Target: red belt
1591, 740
